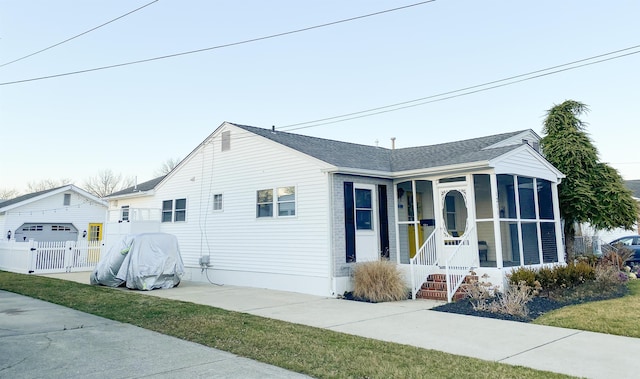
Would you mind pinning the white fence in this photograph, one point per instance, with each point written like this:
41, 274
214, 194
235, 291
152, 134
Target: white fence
49, 257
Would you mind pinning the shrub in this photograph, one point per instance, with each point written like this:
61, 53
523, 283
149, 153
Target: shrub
617, 257
523, 274
608, 277
379, 281
548, 279
514, 299
479, 293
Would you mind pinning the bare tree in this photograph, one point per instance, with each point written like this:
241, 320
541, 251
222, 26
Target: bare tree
167, 166
46, 184
8, 193
106, 183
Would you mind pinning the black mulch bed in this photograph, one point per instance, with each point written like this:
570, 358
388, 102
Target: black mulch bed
537, 306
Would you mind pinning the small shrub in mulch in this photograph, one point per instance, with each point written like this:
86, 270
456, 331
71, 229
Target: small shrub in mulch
540, 305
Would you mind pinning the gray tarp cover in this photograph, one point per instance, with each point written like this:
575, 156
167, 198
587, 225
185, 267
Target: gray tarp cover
141, 261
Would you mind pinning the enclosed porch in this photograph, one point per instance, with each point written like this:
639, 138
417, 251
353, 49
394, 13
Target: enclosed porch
485, 222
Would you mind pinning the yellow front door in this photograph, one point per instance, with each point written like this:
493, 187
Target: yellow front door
95, 235
95, 232
412, 239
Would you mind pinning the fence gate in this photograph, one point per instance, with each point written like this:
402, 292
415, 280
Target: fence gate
64, 256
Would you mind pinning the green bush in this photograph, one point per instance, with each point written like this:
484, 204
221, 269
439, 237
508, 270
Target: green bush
523, 274
556, 277
548, 278
379, 281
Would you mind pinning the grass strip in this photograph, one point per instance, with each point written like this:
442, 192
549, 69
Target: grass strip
619, 316
313, 351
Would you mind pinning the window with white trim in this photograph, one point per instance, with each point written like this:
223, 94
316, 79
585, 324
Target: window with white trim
67, 199
284, 200
175, 211
124, 213
264, 203
217, 202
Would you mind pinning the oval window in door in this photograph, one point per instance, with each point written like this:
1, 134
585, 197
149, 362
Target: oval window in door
454, 213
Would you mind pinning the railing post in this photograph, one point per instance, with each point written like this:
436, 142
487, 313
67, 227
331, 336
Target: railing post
413, 281
33, 254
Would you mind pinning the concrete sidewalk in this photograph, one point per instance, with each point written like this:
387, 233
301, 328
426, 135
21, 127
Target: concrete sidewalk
567, 351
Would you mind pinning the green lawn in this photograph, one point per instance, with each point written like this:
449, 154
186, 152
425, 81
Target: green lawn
316, 352
616, 316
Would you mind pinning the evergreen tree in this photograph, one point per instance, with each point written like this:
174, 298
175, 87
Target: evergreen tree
592, 191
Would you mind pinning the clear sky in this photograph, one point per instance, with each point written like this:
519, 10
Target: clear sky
131, 119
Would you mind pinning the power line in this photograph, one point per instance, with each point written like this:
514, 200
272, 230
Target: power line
456, 93
79, 35
221, 46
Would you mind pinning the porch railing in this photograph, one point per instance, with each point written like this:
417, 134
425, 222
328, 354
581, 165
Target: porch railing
458, 265
423, 263
49, 257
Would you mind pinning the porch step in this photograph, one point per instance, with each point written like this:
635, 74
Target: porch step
435, 288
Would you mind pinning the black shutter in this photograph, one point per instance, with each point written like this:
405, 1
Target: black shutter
384, 220
349, 222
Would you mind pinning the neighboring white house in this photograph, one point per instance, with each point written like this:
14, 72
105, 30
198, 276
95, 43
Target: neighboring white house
264, 208
606, 236
65, 213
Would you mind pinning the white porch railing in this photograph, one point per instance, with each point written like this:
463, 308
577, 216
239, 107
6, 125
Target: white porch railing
49, 257
423, 263
458, 265
134, 214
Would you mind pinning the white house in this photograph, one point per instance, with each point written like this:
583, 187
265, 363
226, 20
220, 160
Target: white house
65, 213
264, 208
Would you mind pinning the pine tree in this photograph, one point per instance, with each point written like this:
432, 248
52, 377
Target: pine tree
592, 191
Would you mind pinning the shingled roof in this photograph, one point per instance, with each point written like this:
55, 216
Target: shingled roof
373, 158
142, 187
350, 155
28, 196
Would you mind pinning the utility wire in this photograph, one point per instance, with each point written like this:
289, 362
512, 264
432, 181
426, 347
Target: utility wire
456, 93
221, 46
79, 35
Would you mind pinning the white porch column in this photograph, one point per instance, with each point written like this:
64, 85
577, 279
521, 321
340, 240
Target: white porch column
556, 218
496, 219
397, 220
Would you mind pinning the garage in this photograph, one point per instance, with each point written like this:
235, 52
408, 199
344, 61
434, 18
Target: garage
46, 232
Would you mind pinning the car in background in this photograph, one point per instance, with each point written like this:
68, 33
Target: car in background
632, 243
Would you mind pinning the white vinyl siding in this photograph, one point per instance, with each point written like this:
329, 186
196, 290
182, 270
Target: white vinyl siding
243, 243
525, 162
50, 210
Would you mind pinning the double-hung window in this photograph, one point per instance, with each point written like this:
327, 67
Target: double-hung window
284, 202
217, 202
125, 213
174, 210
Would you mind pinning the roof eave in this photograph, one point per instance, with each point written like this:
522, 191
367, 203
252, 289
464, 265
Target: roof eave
447, 169
132, 195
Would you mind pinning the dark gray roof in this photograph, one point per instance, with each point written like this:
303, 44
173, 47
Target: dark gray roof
349, 155
28, 196
451, 153
337, 153
634, 186
142, 187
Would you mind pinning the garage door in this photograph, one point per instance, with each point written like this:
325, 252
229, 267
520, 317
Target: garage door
46, 232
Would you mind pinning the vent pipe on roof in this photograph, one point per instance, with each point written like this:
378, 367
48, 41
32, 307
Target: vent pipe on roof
393, 143
273, 128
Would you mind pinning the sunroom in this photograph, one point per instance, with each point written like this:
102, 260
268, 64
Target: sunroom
488, 222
